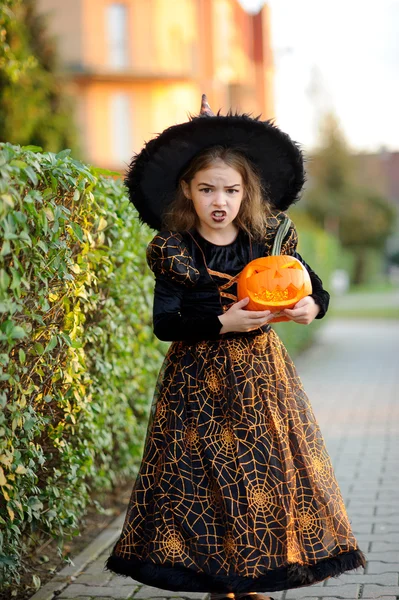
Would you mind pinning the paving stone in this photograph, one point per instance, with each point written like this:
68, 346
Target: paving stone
95, 568
386, 511
374, 566
386, 496
386, 527
303, 592
76, 589
342, 591
382, 595
377, 519
359, 511
99, 578
314, 597
390, 538
90, 598
119, 580
363, 498
345, 578
147, 593
379, 591
384, 547
362, 528
387, 557
50, 590
386, 504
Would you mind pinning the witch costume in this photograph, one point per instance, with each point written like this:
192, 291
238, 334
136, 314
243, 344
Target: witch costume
236, 491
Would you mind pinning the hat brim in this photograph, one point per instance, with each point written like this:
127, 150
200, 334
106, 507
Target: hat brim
154, 173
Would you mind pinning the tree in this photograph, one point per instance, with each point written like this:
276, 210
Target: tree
358, 216
34, 107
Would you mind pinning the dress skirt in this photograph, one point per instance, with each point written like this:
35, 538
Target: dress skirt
235, 491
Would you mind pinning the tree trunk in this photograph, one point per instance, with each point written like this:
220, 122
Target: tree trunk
360, 269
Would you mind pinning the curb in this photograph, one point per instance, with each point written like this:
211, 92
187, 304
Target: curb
69, 573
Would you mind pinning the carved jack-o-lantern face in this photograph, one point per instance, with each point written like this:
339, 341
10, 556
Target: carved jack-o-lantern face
274, 283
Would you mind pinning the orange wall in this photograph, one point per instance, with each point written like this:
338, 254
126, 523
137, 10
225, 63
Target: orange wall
161, 37
177, 49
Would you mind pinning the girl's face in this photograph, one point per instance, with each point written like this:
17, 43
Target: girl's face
216, 193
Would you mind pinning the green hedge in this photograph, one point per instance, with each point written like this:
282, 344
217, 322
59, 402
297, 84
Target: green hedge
77, 352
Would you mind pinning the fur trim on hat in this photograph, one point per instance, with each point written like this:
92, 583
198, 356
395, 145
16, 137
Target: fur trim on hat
153, 174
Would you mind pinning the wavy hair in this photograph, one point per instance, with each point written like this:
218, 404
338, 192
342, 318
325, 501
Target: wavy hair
254, 208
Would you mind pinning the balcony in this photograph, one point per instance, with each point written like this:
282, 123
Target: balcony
85, 74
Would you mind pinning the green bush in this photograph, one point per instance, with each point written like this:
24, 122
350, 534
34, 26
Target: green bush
78, 356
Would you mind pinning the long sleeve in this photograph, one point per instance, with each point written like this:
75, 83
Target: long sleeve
319, 294
175, 273
169, 323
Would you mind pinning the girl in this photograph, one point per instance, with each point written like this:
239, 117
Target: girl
235, 493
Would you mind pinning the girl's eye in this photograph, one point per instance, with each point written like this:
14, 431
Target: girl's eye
207, 190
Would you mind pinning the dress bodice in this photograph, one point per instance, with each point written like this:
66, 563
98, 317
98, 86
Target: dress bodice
230, 258
196, 280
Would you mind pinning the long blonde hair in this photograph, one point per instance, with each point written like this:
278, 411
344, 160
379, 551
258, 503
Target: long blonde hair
254, 208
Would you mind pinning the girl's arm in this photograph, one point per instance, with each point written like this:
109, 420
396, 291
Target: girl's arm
319, 294
169, 259
170, 325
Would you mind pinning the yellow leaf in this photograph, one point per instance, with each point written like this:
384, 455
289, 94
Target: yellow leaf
3, 479
81, 292
7, 199
22, 402
6, 460
102, 224
11, 513
49, 214
90, 238
21, 470
6, 496
75, 268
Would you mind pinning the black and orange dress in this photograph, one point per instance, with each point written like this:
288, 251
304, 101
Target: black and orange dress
235, 491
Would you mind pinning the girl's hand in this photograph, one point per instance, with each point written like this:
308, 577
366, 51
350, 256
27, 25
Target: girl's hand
303, 312
238, 319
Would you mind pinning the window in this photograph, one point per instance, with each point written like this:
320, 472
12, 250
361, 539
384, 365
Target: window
116, 16
120, 122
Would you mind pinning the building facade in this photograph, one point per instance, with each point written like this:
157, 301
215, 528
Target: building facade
138, 66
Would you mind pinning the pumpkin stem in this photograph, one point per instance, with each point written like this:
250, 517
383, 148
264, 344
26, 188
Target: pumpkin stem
280, 235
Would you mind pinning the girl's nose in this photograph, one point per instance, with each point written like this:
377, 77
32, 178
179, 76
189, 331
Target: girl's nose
219, 199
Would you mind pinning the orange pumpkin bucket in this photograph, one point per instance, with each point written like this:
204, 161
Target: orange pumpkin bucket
274, 282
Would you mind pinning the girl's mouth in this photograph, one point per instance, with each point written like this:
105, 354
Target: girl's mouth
218, 215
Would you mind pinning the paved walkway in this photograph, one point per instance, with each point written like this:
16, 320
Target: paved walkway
352, 378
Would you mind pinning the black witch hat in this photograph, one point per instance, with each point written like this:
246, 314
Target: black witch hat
154, 173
